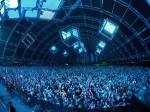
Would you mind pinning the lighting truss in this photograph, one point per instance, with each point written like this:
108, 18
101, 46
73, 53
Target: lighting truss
29, 39
11, 3
148, 1
65, 53
28, 3
108, 29
31, 13
45, 14
53, 49
13, 14
38, 9
52, 4
69, 35
98, 51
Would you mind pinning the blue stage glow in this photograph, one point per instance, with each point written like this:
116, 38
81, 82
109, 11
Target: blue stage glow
28, 3
11, 3
2, 10
13, 14
110, 27
53, 48
148, 1
75, 32
65, 53
47, 14
32, 14
66, 34
51, 4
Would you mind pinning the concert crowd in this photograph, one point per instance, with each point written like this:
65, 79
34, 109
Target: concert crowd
90, 87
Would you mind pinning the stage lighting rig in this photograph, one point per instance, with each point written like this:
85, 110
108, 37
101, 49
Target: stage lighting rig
98, 52
53, 49
101, 45
108, 29
69, 35
65, 53
80, 48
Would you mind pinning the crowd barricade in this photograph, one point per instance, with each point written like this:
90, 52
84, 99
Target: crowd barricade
23, 97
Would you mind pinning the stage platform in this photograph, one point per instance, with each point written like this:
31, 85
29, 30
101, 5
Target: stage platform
141, 101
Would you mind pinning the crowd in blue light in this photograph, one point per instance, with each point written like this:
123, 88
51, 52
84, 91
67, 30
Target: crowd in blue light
80, 86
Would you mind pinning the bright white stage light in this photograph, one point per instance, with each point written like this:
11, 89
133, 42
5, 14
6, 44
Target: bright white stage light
47, 14
13, 14
148, 1
110, 27
51, 4
2, 10
28, 3
31, 14
66, 34
102, 44
11, 3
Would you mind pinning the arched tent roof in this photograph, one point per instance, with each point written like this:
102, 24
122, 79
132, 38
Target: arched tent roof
131, 42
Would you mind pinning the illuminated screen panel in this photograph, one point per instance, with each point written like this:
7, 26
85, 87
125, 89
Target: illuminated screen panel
75, 32
51, 4
13, 14
2, 10
110, 27
11, 3
47, 14
32, 14
28, 3
102, 44
66, 34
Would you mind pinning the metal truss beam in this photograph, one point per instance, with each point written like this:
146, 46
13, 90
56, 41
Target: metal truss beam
10, 37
